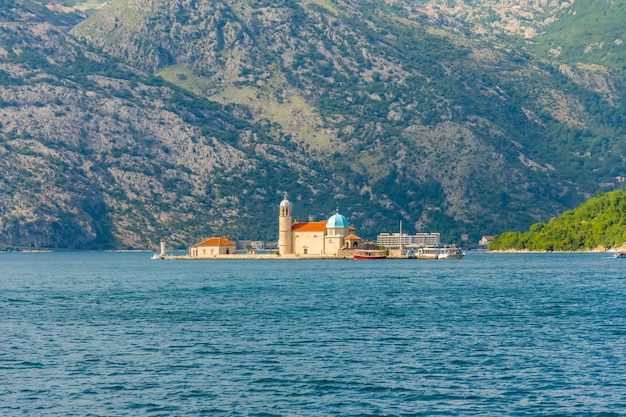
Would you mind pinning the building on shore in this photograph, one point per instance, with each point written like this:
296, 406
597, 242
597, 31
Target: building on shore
326, 237
395, 240
213, 246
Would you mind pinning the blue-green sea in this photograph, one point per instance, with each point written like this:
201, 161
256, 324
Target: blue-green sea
119, 334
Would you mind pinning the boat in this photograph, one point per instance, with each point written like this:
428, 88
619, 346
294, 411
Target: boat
156, 256
428, 253
451, 253
370, 254
619, 255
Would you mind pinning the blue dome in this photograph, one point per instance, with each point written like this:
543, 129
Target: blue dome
337, 221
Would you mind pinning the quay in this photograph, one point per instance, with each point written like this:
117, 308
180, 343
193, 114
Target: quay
348, 254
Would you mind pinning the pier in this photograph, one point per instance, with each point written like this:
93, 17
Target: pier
346, 254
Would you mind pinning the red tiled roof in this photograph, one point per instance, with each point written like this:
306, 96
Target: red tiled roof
217, 241
352, 236
309, 226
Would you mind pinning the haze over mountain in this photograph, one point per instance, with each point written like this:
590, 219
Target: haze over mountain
129, 121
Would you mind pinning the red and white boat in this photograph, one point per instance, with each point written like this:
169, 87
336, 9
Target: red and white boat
370, 254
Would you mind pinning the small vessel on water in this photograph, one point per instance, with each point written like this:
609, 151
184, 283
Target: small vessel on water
451, 253
439, 252
428, 253
619, 255
370, 254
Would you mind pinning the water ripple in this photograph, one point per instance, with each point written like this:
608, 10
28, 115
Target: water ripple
491, 335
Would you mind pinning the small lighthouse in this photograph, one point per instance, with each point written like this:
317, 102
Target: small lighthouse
162, 249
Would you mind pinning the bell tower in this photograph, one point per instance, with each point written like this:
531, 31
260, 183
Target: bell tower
285, 246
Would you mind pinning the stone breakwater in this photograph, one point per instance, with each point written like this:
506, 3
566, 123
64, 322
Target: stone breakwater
246, 256
276, 257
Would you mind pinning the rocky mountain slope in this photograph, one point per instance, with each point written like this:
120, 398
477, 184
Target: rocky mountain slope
189, 118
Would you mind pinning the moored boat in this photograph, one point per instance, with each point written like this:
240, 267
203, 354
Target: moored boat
619, 255
439, 252
451, 253
428, 253
370, 254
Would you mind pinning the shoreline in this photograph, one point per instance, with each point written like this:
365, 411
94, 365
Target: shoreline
263, 257
611, 250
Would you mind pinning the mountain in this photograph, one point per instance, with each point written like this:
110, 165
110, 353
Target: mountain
183, 119
598, 223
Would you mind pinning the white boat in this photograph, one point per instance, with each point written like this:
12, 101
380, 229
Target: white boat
156, 256
439, 252
451, 253
428, 253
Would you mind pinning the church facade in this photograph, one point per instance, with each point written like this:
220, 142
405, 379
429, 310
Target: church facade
326, 237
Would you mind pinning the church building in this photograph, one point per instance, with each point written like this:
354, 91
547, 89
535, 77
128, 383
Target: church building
326, 237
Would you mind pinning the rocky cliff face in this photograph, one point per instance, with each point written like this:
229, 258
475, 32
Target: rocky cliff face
89, 160
387, 111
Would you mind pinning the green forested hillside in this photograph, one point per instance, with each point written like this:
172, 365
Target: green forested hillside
140, 120
598, 223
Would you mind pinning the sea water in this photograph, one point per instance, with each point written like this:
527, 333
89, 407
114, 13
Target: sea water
114, 334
